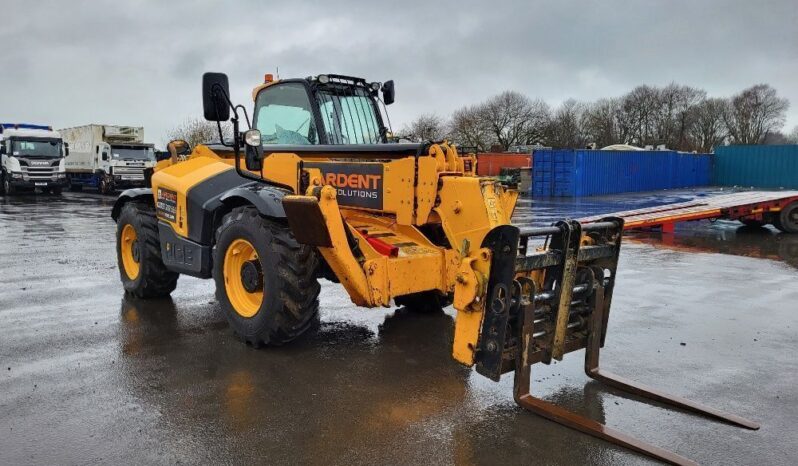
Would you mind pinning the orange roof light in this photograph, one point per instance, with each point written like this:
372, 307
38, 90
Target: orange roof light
268, 78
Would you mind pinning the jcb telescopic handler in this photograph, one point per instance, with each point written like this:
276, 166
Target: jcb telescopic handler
324, 192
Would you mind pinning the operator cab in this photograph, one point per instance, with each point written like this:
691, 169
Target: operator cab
322, 110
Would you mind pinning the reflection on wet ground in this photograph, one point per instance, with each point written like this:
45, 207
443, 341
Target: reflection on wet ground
89, 376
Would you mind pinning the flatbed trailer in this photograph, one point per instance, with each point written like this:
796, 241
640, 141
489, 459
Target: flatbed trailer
779, 208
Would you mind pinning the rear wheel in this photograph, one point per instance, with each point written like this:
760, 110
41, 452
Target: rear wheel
138, 251
265, 280
787, 221
106, 187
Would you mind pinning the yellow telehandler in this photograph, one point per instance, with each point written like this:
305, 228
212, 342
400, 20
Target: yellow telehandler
322, 191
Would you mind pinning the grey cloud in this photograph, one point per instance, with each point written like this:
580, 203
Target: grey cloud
140, 62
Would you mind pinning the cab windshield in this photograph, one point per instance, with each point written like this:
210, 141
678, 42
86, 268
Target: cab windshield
36, 147
349, 115
284, 114
132, 153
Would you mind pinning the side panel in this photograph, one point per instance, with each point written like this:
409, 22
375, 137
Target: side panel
183, 255
181, 179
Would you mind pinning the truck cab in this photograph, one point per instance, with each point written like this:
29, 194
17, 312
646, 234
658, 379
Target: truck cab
107, 157
32, 157
124, 163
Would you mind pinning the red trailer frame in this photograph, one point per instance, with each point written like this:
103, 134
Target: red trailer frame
751, 207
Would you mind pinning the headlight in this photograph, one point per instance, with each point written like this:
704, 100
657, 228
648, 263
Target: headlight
16, 175
323, 78
252, 138
375, 86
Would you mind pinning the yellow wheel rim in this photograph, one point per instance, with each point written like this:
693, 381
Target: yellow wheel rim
129, 245
245, 302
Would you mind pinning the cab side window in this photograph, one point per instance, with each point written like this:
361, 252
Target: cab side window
283, 115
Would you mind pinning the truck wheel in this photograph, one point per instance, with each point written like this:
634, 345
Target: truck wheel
787, 221
138, 253
265, 281
106, 187
8, 188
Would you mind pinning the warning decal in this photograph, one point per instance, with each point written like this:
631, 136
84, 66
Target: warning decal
358, 184
166, 204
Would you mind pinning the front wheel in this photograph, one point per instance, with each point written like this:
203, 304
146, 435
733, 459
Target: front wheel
787, 220
8, 188
138, 252
265, 280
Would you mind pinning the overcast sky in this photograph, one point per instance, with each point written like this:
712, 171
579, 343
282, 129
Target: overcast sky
140, 63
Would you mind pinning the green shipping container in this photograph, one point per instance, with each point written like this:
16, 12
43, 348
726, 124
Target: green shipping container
771, 167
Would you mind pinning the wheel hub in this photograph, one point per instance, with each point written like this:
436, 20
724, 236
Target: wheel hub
134, 249
252, 276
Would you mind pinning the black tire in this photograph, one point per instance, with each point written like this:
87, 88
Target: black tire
8, 189
425, 302
290, 303
787, 220
154, 280
106, 186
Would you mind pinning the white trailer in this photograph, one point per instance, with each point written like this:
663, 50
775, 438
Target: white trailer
31, 157
107, 157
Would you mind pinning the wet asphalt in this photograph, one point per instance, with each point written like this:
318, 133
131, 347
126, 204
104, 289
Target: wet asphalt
88, 376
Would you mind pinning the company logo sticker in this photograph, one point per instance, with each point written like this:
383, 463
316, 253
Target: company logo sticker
166, 204
358, 184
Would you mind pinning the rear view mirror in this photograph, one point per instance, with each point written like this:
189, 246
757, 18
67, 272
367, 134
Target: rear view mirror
388, 92
215, 96
66, 149
2, 148
105, 156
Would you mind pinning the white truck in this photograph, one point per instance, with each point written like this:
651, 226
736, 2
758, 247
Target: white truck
107, 157
31, 156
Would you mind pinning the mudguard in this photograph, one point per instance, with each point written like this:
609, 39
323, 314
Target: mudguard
267, 199
130, 195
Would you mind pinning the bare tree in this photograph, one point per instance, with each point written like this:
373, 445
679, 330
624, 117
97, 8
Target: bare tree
753, 113
776, 138
427, 127
708, 129
599, 123
793, 136
468, 128
637, 116
513, 118
674, 116
198, 131
565, 127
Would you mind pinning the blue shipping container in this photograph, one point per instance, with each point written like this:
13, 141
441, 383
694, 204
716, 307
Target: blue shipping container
568, 172
757, 166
